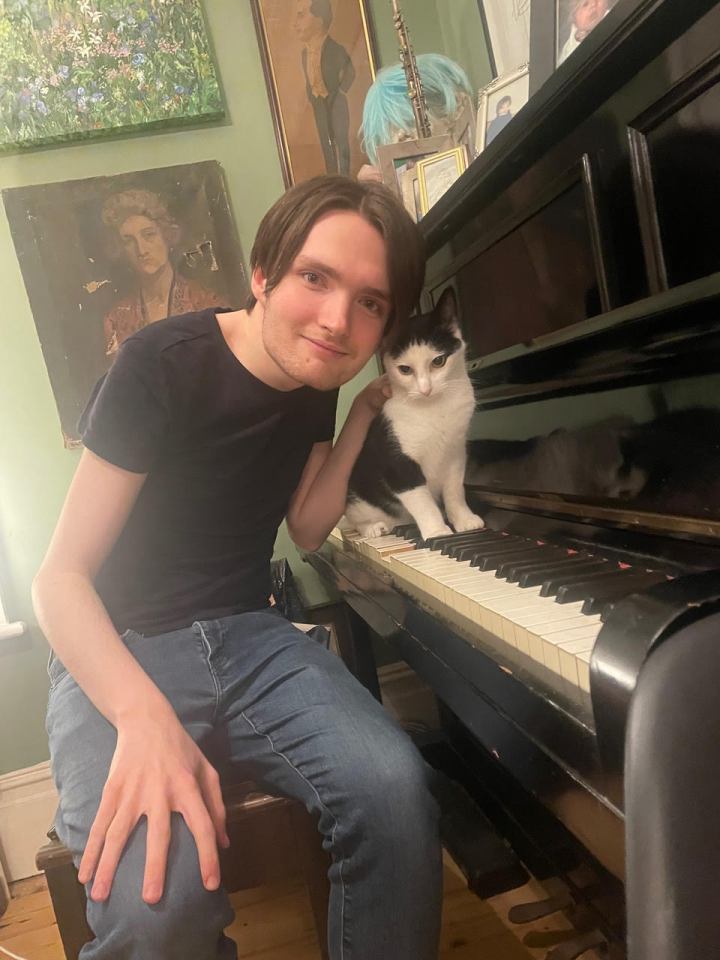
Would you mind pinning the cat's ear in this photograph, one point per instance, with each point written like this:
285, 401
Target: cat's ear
446, 308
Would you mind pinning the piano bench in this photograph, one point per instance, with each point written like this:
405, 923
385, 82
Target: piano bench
270, 837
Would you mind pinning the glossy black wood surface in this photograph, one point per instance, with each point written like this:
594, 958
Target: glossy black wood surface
583, 247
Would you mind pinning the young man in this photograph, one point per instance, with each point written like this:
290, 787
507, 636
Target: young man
208, 430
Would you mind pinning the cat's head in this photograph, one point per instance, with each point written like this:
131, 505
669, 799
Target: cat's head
427, 352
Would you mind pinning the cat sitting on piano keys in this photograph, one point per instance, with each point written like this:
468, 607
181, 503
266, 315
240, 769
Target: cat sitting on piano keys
413, 459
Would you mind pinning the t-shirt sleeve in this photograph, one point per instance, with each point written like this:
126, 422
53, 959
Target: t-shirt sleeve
126, 420
325, 418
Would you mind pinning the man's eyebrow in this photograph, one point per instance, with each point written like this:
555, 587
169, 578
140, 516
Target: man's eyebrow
309, 263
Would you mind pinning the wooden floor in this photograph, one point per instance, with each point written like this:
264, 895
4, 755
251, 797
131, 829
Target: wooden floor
272, 923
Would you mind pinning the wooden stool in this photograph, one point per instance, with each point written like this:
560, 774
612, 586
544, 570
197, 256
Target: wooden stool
270, 837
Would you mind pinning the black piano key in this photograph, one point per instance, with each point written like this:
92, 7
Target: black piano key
493, 560
568, 567
551, 586
410, 531
520, 567
436, 543
613, 590
469, 539
453, 549
507, 543
526, 557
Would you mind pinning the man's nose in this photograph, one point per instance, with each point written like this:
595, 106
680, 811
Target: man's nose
335, 316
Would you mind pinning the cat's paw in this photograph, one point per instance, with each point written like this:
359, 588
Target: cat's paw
440, 531
370, 530
467, 521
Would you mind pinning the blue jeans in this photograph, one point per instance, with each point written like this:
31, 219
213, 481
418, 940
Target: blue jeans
302, 727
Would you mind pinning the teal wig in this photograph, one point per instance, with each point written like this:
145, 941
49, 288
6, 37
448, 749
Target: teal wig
388, 109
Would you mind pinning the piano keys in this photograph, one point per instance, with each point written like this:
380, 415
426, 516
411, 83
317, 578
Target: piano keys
550, 610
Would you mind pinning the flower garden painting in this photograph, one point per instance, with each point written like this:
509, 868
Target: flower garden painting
80, 68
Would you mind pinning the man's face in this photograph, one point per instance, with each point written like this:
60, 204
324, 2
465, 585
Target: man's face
326, 317
144, 245
306, 23
588, 15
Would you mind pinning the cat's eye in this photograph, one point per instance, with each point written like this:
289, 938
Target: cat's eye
404, 369
439, 361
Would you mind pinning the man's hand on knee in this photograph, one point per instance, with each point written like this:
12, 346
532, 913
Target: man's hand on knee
156, 770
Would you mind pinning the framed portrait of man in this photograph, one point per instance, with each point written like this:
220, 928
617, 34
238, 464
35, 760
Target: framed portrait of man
105, 256
319, 62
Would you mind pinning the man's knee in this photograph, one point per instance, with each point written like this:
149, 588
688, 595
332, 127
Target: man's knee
186, 923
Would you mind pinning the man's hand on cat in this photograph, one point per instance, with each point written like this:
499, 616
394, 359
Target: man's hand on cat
371, 398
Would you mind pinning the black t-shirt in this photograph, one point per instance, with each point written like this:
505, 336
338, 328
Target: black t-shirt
223, 453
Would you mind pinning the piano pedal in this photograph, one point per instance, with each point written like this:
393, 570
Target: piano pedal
488, 863
527, 912
579, 946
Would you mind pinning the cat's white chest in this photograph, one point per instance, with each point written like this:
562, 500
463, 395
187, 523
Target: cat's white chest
432, 431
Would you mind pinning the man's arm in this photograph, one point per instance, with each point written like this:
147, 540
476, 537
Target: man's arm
156, 768
319, 501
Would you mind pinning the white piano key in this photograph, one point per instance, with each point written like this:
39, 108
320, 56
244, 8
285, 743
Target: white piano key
583, 668
568, 653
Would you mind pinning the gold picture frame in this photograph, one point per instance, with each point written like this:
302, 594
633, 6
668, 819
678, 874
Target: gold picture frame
437, 174
318, 67
397, 162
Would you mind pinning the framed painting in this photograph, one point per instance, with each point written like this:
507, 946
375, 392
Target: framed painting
105, 256
73, 69
437, 174
318, 59
507, 28
498, 103
398, 166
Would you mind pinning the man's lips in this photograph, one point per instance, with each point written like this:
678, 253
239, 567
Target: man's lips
326, 347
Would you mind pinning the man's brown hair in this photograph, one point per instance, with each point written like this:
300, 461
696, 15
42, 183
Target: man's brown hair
285, 227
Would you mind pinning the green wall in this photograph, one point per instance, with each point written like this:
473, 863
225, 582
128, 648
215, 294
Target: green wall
35, 469
452, 27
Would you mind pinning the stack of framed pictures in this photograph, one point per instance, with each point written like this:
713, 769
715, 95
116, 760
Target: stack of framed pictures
420, 171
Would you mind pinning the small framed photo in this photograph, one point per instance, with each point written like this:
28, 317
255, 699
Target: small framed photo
498, 103
437, 174
397, 162
574, 21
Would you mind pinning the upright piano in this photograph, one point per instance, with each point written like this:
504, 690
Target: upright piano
570, 642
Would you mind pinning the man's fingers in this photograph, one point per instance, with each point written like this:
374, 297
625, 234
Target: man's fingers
200, 825
212, 795
158, 841
115, 840
95, 841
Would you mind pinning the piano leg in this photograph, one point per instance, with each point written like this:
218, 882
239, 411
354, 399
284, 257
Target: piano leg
354, 641
672, 790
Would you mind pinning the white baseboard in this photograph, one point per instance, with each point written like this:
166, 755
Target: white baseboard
28, 800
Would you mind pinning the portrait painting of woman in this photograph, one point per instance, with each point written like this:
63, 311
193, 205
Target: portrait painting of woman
105, 256
147, 237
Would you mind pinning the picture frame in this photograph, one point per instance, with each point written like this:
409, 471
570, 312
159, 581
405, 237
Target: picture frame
318, 65
397, 162
78, 71
568, 34
494, 110
507, 30
549, 32
94, 252
464, 130
437, 174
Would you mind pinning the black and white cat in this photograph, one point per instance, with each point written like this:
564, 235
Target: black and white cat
414, 456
